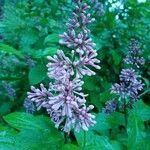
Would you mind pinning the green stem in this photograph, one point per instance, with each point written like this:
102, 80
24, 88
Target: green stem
84, 140
65, 137
125, 113
148, 90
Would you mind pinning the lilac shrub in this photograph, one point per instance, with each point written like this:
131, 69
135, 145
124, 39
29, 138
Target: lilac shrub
130, 83
64, 100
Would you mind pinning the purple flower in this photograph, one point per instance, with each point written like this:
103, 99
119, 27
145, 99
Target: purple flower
128, 75
110, 107
10, 90
39, 96
129, 86
29, 106
59, 66
82, 64
80, 42
133, 55
84, 119
29, 61
118, 88
98, 7
64, 100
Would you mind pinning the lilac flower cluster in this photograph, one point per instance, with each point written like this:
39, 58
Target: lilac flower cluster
10, 90
29, 61
64, 99
130, 83
98, 7
29, 106
110, 107
133, 55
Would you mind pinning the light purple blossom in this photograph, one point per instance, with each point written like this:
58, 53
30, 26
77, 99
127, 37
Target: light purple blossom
29, 106
84, 119
82, 65
129, 85
110, 106
128, 75
64, 100
98, 7
80, 42
133, 56
59, 66
39, 96
10, 90
30, 62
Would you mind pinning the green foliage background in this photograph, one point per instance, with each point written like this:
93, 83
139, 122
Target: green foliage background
32, 28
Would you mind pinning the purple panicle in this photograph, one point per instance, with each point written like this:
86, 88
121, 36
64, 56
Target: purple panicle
98, 7
9, 89
64, 100
129, 85
110, 107
133, 56
29, 106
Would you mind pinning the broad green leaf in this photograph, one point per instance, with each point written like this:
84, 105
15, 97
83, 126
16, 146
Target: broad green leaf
91, 141
52, 39
116, 57
21, 120
95, 99
70, 147
7, 129
38, 140
116, 119
102, 124
90, 84
5, 108
37, 133
7, 141
31, 140
50, 51
135, 127
8, 49
142, 110
37, 74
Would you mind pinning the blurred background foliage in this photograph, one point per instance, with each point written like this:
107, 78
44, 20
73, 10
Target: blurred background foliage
29, 31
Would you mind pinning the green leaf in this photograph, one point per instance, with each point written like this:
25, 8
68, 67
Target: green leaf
38, 140
90, 84
31, 140
7, 141
116, 119
95, 99
116, 57
142, 110
70, 147
37, 133
21, 120
51, 39
135, 127
102, 124
5, 108
8, 49
37, 74
91, 141
50, 51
